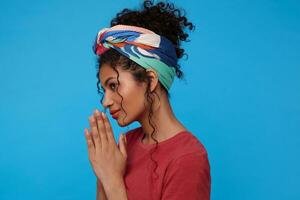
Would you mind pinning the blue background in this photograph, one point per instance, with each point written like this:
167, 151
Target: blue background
240, 96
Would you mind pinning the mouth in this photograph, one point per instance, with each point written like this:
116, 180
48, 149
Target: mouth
115, 114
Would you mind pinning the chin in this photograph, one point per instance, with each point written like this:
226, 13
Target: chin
123, 122
123, 125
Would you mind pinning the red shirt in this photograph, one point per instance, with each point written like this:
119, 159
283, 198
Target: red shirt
182, 172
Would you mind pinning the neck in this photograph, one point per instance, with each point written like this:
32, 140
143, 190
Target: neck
164, 120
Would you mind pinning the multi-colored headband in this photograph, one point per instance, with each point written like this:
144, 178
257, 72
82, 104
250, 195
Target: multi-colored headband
143, 46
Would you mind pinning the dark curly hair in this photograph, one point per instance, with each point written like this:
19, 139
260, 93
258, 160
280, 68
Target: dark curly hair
163, 19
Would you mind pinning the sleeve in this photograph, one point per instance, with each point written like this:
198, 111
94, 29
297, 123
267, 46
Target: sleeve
188, 177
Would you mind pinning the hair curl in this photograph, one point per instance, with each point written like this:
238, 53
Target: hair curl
163, 19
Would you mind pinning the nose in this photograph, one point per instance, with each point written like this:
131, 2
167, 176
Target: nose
107, 101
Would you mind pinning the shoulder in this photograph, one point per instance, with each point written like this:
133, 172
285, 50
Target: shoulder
190, 154
187, 145
190, 162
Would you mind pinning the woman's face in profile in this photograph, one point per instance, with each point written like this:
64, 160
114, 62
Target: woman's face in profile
133, 107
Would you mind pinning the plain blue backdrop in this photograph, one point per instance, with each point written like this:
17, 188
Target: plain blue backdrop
240, 96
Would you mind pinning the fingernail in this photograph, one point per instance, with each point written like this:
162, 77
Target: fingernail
92, 118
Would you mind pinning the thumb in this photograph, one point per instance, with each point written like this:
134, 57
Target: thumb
122, 144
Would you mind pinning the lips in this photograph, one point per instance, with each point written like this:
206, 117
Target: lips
114, 113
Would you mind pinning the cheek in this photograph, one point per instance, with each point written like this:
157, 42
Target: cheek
133, 102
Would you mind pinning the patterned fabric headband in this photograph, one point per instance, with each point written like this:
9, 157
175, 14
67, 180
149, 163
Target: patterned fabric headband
143, 46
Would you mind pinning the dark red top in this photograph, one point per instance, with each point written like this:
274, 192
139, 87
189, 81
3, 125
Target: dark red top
182, 172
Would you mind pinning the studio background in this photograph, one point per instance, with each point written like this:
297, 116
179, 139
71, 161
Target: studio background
240, 96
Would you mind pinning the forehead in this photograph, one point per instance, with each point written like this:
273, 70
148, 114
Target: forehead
106, 71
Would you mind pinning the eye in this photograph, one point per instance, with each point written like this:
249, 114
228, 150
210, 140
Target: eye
113, 86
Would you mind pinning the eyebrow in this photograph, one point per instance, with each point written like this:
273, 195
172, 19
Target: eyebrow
105, 83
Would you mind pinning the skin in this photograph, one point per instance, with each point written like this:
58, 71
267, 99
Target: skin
108, 158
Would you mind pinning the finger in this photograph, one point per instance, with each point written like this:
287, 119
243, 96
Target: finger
101, 127
94, 132
89, 141
109, 131
122, 145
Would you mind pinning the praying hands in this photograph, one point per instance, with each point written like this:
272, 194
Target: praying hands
107, 158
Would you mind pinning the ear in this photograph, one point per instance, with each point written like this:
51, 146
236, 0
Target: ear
151, 73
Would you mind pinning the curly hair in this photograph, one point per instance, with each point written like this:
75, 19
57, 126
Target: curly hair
163, 19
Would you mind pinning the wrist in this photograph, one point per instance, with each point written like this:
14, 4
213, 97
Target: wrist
100, 194
115, 189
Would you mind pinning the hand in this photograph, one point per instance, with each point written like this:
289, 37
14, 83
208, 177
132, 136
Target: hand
107, 158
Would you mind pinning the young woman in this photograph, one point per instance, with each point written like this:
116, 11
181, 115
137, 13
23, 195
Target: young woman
138, 61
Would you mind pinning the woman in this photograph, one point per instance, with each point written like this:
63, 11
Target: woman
138, 61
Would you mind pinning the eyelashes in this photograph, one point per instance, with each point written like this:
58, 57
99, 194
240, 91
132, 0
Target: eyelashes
111, 86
